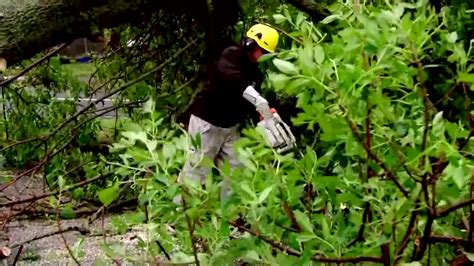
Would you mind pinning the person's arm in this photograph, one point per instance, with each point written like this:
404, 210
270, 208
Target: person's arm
230, 66
260, 103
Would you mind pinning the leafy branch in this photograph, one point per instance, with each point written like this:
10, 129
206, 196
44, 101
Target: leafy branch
54, 193
374, 157
33, 65
317, 258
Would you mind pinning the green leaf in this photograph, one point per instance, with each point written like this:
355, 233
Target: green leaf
149, 106
318, 54
279, 18
279, 81
263, 196
299, 19
285, 66
108, 195
245, 187
331, 18
297, 85
459, 177
78, 248
168, 150
253, 255
466, 77
305, 59
134, 136
414, 263
452, 37
470, 256
303, 221
325, 228
68, 213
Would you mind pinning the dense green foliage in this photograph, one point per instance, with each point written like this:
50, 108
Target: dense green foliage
382, 94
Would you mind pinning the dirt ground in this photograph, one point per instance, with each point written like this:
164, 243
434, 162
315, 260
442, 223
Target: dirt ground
52, 250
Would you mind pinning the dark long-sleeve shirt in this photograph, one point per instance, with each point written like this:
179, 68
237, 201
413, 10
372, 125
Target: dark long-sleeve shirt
222, 103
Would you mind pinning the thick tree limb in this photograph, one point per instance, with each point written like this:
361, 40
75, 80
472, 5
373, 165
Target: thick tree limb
30, 28
314, 9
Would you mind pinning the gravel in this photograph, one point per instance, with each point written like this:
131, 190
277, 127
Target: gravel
52, 250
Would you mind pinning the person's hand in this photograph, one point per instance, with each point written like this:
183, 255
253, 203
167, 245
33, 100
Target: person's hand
277, 131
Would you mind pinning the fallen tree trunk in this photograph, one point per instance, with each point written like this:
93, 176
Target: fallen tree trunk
31, 26
37, 25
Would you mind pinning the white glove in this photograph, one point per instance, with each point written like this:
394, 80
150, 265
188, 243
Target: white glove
278, 133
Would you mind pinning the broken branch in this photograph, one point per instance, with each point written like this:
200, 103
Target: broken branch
81, 230
30, 67
35, 198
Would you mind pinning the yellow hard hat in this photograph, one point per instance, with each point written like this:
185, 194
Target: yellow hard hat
265, 36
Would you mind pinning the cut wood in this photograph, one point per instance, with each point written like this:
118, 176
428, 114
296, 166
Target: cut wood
5, 252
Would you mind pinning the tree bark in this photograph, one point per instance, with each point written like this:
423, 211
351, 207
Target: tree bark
315, 10
40, 24
27, 27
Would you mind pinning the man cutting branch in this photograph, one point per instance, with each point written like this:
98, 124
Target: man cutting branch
230, 95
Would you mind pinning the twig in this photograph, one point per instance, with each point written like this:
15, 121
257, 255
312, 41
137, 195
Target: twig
455, 207
163, 249
450, 241
25, 173
191, 232
420, 250
367, 210
385, 248
121, 88
20, 142
17, 257
81, 230
365, 220
469, 118
5, 115
471, 213
411, 226
58, 222
426, 122
289, 212
30, 67
35, 198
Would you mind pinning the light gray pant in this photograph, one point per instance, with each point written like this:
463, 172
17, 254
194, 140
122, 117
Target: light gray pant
217, 144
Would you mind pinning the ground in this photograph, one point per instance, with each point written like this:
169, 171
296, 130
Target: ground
51, 250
